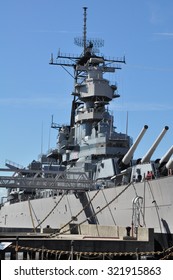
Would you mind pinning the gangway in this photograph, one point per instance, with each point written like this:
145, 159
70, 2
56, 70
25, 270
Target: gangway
63, 180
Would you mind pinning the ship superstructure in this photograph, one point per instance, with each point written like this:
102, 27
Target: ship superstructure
91, 136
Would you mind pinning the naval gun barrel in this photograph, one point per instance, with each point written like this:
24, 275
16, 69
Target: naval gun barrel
167, 156
150, 152
128, 156
169, 164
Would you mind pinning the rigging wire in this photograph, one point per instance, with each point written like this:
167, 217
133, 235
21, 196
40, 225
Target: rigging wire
95, 214
57, 203
109, 207
157, 210
59, 230
30, 211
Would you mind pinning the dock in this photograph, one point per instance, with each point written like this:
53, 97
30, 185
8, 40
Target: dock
79, 243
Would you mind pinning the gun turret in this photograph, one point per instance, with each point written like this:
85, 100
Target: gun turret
128, 156
150, 152
167, 156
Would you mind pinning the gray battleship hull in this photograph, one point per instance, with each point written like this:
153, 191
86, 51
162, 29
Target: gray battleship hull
112, 206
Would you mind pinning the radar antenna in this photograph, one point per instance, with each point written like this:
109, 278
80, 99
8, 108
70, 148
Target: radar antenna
85, 42
90, 48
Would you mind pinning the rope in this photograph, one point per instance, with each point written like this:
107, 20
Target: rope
32, 219
104, 207
96, 213
57, 203
59, 231
109, 208
167, 253
157, 211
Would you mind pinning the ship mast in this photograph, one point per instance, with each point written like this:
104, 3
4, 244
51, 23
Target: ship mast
94, 43
90, 48
85, 28
82, 63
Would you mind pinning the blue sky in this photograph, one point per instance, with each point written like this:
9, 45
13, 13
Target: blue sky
31, 90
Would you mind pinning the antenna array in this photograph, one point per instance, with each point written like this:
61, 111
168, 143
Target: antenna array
84, 41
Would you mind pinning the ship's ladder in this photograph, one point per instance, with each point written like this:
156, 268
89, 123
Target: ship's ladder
138, 219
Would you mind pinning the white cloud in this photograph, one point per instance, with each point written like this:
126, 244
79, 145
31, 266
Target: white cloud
169, 34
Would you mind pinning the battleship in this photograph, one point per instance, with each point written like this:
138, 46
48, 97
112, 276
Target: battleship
91, 177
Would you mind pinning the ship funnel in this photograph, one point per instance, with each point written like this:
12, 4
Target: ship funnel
167, 156
150, 152
128, 156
